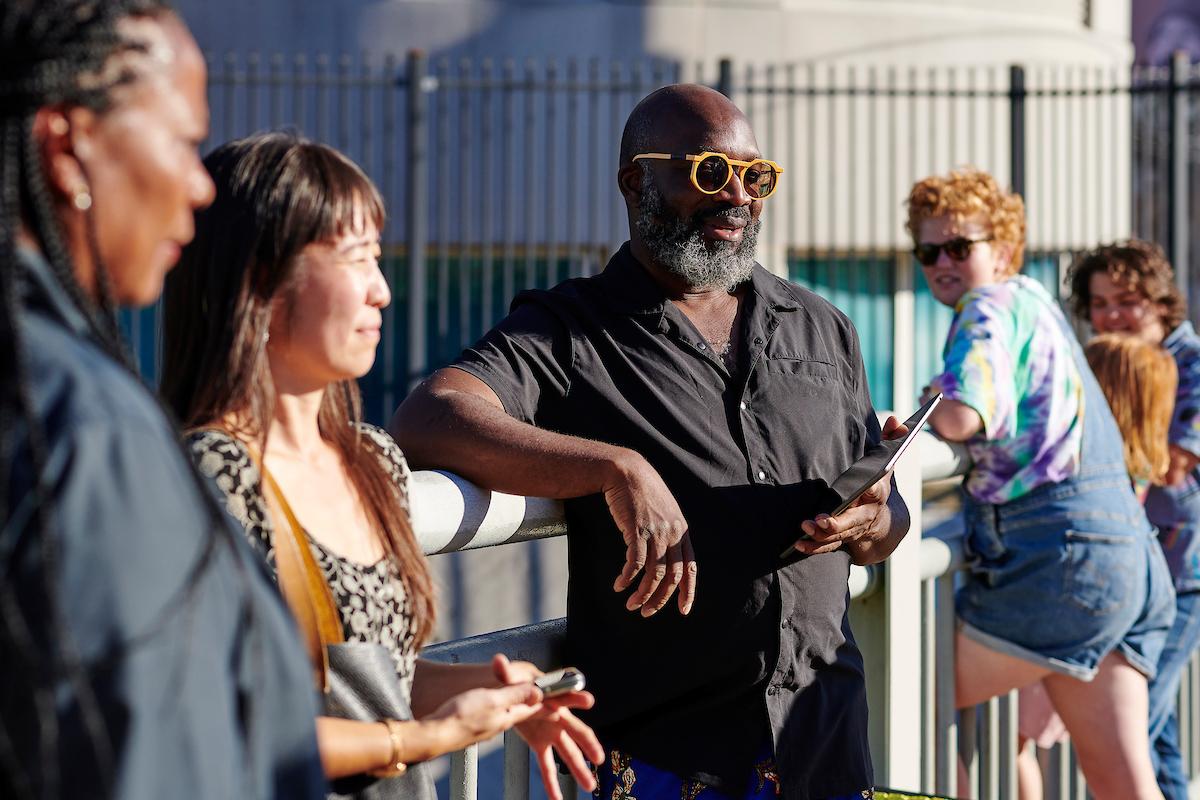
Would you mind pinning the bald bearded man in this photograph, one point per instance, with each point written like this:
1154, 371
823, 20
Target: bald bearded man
690, 408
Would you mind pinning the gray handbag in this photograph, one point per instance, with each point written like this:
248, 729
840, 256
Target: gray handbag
363, 685
358, 679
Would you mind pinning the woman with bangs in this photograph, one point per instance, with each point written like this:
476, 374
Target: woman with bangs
1066, 584
272, 315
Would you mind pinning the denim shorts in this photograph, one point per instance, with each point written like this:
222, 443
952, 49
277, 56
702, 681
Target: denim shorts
1065, 575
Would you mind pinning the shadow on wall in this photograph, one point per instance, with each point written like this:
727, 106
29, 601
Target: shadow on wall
448, 28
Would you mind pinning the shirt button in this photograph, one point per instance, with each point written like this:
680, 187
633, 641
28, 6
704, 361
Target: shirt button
762, 476
785, 623
773, 690
758, 340
742, 405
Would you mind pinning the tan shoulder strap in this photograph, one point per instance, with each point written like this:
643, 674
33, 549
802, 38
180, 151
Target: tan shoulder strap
301, 581
303, 584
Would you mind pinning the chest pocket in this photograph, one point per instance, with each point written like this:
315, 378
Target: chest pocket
816, 399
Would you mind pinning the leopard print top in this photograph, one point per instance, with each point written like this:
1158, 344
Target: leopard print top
371, 598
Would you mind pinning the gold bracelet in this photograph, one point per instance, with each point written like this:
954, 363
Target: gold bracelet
395, 767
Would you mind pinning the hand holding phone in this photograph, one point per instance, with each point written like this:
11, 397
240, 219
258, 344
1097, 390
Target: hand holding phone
560, 681
878, 462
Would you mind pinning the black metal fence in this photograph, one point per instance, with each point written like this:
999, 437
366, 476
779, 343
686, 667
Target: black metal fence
499, 175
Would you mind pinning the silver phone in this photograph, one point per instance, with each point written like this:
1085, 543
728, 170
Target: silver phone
560, 681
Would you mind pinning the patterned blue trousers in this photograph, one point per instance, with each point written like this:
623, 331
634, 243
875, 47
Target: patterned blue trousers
623, 777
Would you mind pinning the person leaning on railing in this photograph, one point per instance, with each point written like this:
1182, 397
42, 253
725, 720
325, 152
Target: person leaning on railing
272, 315
1065, 583
142, 651
1128, 288
686, 398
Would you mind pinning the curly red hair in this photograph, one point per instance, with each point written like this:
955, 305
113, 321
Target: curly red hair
971, 193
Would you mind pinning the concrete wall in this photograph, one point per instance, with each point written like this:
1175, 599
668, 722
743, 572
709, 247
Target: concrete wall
899, 31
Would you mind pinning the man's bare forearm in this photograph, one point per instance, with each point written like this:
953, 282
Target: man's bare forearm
454, 421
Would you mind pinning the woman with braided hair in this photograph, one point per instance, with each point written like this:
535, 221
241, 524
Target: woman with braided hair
143, 652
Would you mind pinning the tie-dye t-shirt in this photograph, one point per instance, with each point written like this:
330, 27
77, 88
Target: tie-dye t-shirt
1008, 357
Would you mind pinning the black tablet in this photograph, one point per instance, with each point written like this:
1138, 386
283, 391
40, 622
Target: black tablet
878, 461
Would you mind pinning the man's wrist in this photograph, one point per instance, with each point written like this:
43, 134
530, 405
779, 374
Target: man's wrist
620, 467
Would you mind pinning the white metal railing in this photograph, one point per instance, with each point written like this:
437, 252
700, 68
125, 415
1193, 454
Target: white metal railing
904, 623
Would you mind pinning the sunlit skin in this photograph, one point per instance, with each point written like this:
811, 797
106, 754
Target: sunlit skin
730, 135
327, 328
949, 280
139, 162
1114, 307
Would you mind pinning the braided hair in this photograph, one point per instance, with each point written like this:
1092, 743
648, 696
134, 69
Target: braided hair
52, 53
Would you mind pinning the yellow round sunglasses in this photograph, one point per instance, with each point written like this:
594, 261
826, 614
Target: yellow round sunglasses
711, 171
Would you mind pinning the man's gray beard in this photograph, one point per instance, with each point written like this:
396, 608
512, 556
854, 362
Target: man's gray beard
677, 245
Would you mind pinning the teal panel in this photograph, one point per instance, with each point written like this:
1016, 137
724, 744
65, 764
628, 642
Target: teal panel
862, 288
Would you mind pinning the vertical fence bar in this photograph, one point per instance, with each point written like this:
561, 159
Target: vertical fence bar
528, 135
418, 215
322, 87
343, 101
487, 227
614, 113
366, 99
573, 157
508, 159
989, 748
811, 113
725, 77
467, 163
595, 238
252, 84
1008, 745
928, 685
516, 766
1016, 143
299, 80
551, 183
464, 773
388, 186
437, 193
1178, 189
229, 113
968, 739
945, 720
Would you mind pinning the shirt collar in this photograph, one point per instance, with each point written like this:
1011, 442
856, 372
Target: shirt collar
40, 289
631, 289
1182, 332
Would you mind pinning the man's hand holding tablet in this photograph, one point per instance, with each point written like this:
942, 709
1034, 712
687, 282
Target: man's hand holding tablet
863, 489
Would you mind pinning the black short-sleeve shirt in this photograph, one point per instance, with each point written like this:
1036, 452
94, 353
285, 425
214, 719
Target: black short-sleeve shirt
767, 652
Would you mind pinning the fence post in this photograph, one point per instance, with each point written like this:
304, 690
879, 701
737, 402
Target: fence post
418, 214
725, 77
1177, 171
1016, 117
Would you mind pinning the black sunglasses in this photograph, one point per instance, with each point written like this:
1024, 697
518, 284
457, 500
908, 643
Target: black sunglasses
959, 249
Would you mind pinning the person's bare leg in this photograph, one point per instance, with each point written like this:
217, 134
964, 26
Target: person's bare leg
1107, 720
981, 673
1029, 771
